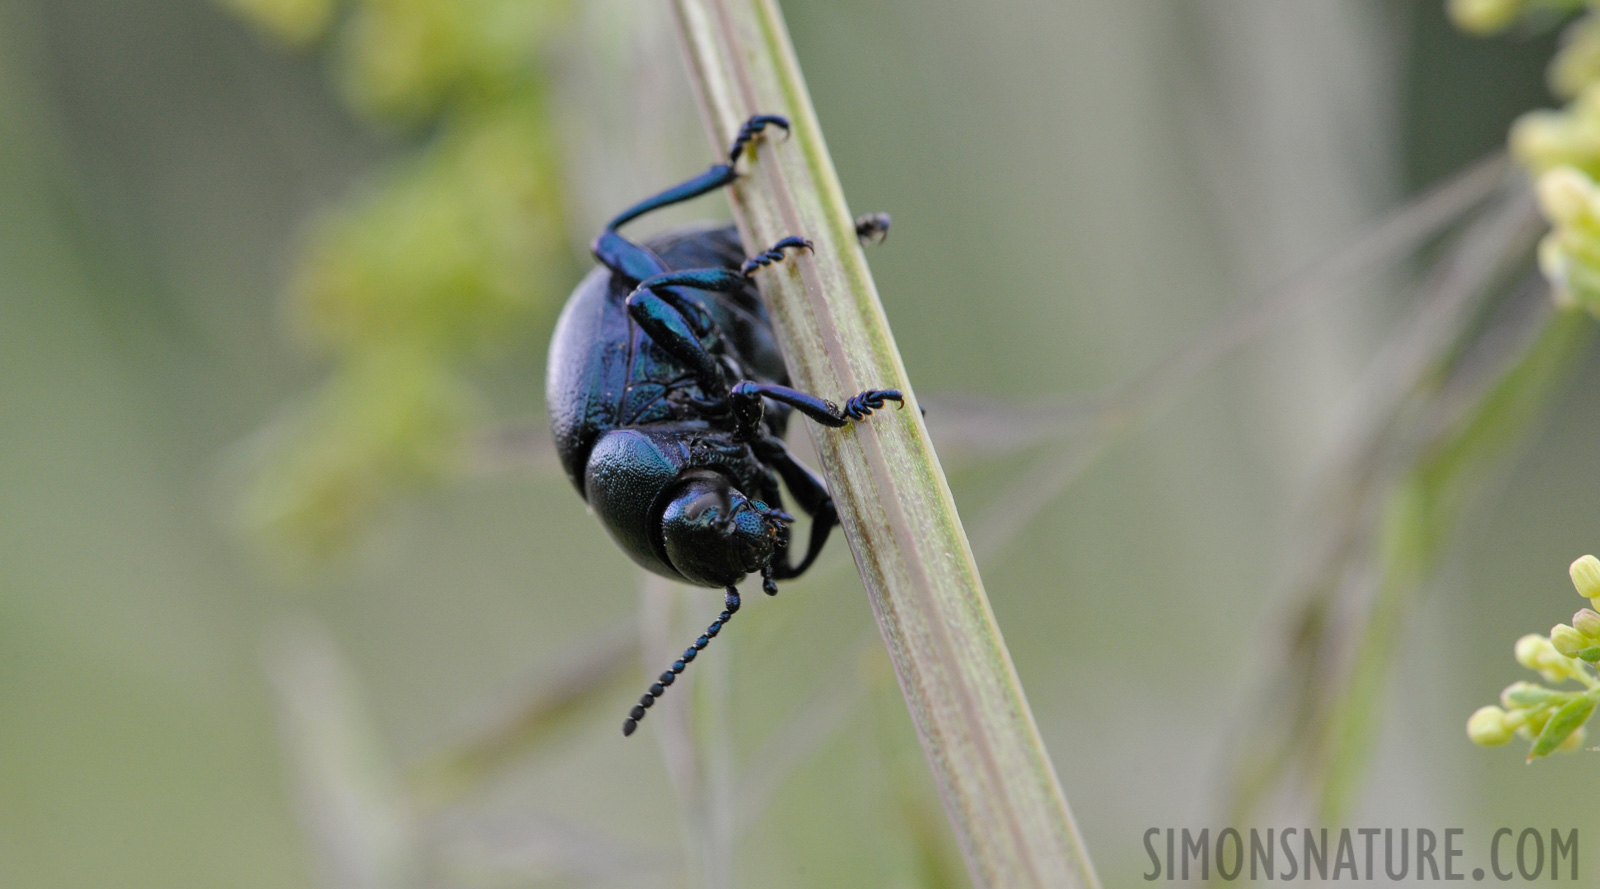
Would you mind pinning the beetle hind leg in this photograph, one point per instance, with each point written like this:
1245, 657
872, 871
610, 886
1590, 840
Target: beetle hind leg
676, 323
623, 256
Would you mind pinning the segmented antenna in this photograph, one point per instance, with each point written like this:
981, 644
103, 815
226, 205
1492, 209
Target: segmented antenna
670, 675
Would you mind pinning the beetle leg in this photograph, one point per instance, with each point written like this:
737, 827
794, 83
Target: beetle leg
774, 254
809, 492
772, 495
717, 280
636, 263
872, 228
669, 317
662, 321
858, 407
730, 605
750, 129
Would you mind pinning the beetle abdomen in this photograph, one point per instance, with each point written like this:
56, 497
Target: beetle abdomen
628, 472
586, 372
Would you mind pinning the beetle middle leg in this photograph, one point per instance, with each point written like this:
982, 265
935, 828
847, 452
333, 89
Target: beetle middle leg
670, 319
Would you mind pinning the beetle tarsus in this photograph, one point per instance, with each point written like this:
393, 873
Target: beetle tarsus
774, 254
751, 128
872, 228
861, 406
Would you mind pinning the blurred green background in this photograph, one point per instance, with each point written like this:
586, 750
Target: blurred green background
1076, 189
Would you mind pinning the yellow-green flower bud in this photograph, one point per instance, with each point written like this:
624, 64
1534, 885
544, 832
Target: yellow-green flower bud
1531, 648
1537, 137
1567, 640
1577, 64
1484, 16
1586, 576
1544, 140
1538, 653
1566, 195
1487, 727
1587, 622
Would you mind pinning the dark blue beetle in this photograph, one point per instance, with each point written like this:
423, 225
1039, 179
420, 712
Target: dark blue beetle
668, 399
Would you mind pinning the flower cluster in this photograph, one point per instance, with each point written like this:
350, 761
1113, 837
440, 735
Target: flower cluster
1561, 148
427, 268
1550, 718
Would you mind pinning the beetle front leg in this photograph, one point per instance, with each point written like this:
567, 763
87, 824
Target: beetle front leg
857, 407
812, 496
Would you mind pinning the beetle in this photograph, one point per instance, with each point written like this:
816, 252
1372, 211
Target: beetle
669, 399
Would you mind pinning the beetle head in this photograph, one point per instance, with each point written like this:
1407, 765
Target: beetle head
715, 535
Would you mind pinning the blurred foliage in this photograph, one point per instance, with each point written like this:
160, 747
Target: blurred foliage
1489, 16
295, 22
1479, 383
406, 281
1562, 149
1420, 516
158, 156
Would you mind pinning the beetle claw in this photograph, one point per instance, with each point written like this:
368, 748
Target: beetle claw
775, 254
751, 127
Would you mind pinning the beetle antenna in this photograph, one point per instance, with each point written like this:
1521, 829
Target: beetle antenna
730, 605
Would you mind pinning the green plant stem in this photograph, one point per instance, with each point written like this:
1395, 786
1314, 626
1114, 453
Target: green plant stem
998, 785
